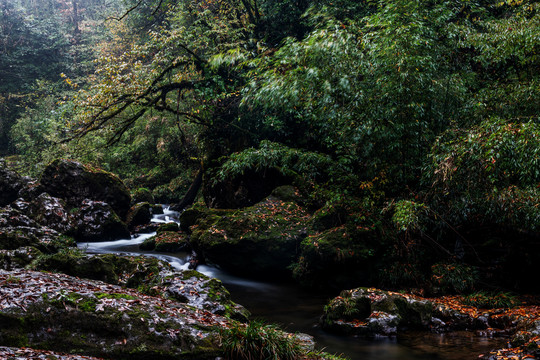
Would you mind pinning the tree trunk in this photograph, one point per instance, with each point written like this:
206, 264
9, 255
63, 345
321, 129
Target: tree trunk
191, 194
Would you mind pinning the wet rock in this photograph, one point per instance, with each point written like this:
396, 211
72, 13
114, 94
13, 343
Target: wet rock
203, 292
75, 182
172, 226
148, 275
30, 189
451, 319
139, 214
18, 230
142, 195
373, 312
190, 216
18, 258
51, 212
61, 313
145, 228
167, 241
27, 353
96, 221
21, 205
156, 209
259, 240
10, 184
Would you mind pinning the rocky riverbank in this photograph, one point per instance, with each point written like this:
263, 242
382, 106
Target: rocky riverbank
371, 313
56, 301
68, 304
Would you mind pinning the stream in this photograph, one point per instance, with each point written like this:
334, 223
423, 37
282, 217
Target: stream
297, 310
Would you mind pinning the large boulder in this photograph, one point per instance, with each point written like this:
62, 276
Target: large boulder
148, 275
339, 257
72, 315
96, 221
74, 182
139, 214
142, 195
205, 293
10, 184
27, 353
373, 312
167, 241
260, 240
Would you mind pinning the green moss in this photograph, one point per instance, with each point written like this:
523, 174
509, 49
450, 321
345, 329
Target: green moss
14, 340
114, 296
87, 305
188, 274
13, 280
148, 244
168, 227
142, 195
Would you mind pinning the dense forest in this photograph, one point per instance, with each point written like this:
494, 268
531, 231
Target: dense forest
334, 143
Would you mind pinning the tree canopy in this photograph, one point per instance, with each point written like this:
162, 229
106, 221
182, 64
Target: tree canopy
423, 115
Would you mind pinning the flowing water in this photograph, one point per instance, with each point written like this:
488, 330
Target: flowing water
297, 310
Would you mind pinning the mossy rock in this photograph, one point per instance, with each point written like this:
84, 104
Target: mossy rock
339, 257
156, 209
10, 184
18, 230
74, 182
288, 193
171, 241
19, 258
172, 226
134, 272
142, 195
203, 292
71, 314
189, 217
96, 221
260, 240
375, 312
328, 217
167, 241
148, 244
139, 214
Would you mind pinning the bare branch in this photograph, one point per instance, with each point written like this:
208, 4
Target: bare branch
128, 11
157, 7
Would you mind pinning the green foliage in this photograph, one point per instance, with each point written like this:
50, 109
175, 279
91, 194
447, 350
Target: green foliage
406, 215
507, 50
356, 90
453, 278
486, 300
259, 341
289, 161
491, 170
345, 307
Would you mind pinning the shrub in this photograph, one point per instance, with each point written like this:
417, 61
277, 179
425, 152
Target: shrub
454, 278
485, 300
258, 341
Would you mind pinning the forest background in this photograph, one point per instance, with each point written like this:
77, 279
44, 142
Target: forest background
414, 120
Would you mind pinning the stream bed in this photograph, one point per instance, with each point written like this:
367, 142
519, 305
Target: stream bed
297, 310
